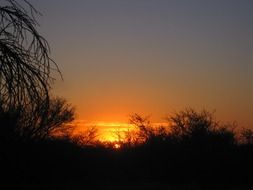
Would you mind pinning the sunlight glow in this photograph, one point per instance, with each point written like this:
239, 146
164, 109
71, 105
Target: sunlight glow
112, 132
107, 131
117, 146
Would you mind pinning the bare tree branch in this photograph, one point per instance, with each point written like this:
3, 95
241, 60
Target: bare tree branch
25, 64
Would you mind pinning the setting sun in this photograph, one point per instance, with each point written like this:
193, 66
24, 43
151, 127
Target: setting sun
116, 146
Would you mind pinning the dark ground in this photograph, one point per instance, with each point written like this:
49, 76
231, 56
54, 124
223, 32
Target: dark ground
59, 164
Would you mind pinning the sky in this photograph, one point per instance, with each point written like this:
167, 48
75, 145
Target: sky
152, 57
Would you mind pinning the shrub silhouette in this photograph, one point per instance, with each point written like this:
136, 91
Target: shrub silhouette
200, 128
29, 124
34, 124
185, 127
146, 132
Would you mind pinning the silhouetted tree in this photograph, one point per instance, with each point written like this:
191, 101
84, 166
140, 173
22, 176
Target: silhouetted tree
143, 126
25, 65
26, 109
191, 123
35, 124
187, 126
146, 132
200, 128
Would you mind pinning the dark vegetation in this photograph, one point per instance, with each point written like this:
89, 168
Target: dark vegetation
193, 150
37, 152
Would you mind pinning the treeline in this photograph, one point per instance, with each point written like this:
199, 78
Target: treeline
192, 149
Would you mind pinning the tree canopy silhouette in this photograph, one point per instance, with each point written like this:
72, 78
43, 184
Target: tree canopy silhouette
25, 64
26, 108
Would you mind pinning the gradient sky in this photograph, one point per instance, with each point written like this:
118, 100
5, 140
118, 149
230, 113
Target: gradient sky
152, 56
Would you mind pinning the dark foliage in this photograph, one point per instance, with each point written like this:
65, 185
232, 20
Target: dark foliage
25, 65
30, 124
165, 157
26, 109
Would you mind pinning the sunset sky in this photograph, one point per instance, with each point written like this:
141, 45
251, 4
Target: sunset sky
152, 57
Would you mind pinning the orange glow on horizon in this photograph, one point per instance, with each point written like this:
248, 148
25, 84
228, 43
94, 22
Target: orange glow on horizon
111, 132
107, 131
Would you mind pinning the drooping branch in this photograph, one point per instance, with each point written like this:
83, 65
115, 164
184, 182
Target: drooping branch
25, 64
